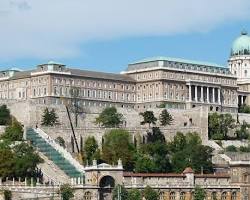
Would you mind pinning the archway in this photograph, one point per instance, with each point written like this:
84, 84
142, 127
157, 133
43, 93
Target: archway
106, 184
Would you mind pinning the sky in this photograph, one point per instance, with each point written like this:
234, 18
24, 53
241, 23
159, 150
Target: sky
108, 35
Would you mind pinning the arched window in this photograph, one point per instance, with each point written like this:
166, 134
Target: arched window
245, 72
213, 196
172, 196
224, 196
161, 195
87, 196
182, 196
233, 197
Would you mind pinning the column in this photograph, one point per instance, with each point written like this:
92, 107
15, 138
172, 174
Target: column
219, 94
242, 100
213, 95
190, 92
195, 93
202, 96
208, 95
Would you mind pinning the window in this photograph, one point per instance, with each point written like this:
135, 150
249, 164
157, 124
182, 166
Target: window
245, 72
234, 196
182, 196
172, 196
55, 91
87, 196
214, 196
224, 196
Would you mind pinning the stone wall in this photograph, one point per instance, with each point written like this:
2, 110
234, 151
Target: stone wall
30, 114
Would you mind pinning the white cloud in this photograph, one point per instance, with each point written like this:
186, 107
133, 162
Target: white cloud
56, 28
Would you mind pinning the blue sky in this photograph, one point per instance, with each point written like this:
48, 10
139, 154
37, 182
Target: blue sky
108, 36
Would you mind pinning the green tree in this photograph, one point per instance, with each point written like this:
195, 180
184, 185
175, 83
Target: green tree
219, 125
5, 117
199, 193
91, 150
244, 109
13, 132
7, 195
109, 118
49, 118
120, 190
60, 141
155, 135
66, 192
26, 160
153, 156
118, 145
150, 194
7, 163
188, 151
231, 148
134, 194
166, 118
243, 132
148, 118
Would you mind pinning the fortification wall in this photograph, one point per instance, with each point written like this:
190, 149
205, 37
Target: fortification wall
30, 114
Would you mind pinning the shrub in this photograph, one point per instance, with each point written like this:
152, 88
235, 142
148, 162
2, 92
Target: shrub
231, 148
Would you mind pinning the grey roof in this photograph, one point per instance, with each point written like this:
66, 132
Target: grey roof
21, 74
101, 75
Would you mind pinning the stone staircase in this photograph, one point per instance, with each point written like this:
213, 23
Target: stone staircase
51, 172
55, 153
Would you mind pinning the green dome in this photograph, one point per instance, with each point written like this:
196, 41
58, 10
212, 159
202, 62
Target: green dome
241, 46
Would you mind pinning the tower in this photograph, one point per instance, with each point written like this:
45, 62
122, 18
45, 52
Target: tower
239, 65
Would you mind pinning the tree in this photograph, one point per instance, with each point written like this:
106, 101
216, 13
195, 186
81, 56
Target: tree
26, 160
155, 135
91, 150
7, 163
199, 193
13, 132
150, 194
109, 118
120, 190
66, 192
134, 194
153, 156
243, 132
7, 195
244, 109
166, 118
188, 151
5, 117
60, 141
148, 118
231, 148
49, 118
75, 106
117, 145
219, 125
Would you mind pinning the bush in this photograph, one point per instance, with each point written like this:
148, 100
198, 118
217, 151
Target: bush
231, 148
14, 132
67, 192
7, 195
244, 149
60, 141
5, 117
217, 137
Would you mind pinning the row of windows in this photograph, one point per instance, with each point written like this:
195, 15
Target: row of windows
93, 84
214, 195
181, 76
95, 94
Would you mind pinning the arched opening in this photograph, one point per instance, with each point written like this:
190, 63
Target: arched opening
87, 196
106, 184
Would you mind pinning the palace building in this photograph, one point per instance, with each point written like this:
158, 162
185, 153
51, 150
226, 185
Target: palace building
149, 83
